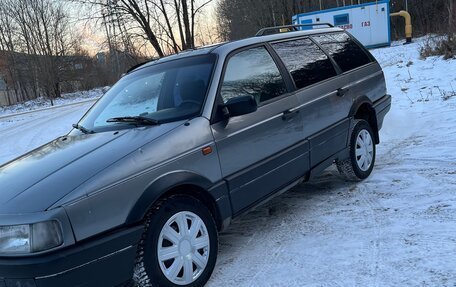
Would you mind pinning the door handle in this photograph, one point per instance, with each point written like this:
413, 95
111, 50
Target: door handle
289, 114
342, 91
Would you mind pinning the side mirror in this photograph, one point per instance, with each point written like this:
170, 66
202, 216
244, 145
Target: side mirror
241, 106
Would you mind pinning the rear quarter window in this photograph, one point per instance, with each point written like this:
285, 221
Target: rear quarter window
345, 52
305, 61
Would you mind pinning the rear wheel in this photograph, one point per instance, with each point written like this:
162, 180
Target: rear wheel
361, 161
179, 246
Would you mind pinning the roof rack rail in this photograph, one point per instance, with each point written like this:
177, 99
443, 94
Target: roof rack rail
290, 28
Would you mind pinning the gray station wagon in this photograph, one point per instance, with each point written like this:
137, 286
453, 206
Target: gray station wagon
137, 192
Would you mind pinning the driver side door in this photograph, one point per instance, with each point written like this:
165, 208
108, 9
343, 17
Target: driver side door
263, 151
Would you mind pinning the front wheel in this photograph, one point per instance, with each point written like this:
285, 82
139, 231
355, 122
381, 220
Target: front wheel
361, 161
179, 246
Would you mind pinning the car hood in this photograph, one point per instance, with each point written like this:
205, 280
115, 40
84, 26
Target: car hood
36, 180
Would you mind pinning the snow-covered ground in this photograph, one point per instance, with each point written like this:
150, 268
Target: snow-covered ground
42, 103
397, 228
25, 132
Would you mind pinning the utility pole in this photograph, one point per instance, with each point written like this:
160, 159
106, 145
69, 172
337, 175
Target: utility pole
406, 5
112, 15
104, 14
451, 20
272, 13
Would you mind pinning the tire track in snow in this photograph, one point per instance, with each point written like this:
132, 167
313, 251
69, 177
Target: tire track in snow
373, 206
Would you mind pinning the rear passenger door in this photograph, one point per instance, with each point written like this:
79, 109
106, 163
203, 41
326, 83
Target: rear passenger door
262, 151
322, 92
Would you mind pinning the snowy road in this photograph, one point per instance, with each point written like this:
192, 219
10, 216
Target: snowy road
397, 228
22, 133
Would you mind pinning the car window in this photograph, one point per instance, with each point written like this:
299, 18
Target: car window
138, 97
347, 54
307, 63
165, 92
190, 74
252, 72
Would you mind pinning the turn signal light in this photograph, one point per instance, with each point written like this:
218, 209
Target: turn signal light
207, 150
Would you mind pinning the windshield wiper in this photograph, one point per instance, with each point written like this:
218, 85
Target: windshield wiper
82, 129
138, 120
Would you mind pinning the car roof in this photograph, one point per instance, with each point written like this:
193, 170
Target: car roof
184, 54
230, 46
224, 48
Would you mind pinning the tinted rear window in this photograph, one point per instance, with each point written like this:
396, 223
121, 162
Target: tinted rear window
307, 63
347, 54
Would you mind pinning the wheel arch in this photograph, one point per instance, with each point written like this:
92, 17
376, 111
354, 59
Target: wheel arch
172, 184
363, 108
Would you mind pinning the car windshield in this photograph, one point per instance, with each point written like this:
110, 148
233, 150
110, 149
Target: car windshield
170, 91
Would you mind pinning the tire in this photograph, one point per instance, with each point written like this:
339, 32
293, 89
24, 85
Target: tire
361, 161
168, 231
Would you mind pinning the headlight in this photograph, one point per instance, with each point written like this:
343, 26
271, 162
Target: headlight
15, 239
30, 238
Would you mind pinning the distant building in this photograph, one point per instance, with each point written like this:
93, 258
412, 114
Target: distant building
2, 84
101, 58
3, 95
21, 81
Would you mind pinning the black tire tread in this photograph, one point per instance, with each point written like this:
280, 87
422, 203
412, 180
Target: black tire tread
140, 276
346, 167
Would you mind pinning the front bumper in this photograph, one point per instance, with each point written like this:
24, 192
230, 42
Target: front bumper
105, 261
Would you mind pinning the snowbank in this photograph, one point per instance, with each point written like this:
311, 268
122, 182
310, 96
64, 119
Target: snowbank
41, 102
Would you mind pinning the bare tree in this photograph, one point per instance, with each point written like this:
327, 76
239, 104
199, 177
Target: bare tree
451, 17
167, 25
7, 45
242, 18
38, 38
45, 31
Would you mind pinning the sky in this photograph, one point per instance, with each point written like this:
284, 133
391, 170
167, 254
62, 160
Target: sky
94, 35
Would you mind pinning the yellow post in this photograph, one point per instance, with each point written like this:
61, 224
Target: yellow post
408, 24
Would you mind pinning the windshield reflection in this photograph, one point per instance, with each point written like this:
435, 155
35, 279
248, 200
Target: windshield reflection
165, 92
